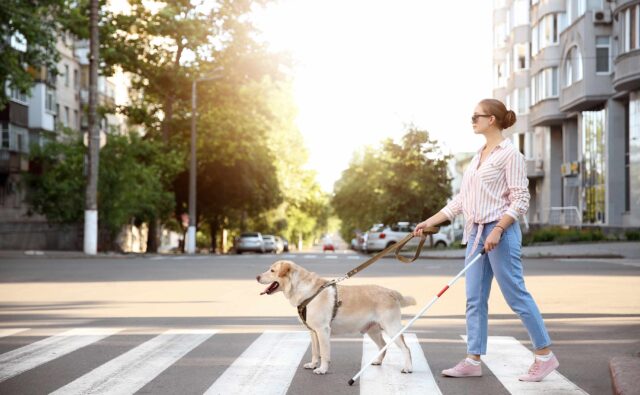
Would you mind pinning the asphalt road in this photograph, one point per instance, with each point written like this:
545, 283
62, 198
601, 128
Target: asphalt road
169, 325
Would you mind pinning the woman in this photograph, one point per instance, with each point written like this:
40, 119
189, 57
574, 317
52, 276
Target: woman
492, 196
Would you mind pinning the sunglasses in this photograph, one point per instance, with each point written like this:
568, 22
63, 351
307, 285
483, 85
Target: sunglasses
474, 117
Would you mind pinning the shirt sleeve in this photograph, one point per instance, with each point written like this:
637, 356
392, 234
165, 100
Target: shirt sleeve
454, 207
517, 181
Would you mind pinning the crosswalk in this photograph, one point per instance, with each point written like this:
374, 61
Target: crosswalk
268, 365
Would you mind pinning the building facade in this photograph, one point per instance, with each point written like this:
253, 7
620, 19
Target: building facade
570, 69
56, 101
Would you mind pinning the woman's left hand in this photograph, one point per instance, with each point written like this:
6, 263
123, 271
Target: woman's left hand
493, 239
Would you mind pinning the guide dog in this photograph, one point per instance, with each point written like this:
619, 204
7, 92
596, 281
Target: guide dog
339, 309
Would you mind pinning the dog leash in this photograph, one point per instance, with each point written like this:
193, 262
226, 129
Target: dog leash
302, 307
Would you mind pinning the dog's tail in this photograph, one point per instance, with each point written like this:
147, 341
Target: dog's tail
404, 300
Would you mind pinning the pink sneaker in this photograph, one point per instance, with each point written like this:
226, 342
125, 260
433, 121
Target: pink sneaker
463, 369
540, 369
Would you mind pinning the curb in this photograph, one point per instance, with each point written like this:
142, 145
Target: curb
625, 375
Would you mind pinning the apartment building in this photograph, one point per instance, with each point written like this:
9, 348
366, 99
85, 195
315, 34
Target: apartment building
570, 69
55, 101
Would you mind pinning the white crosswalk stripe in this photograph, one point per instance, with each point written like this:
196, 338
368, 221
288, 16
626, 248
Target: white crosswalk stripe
132, 370
387, 378
35, 354
266, 367
508, 358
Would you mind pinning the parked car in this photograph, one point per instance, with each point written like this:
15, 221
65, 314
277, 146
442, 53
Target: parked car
270, 244
328, 245
380, 237
249, 241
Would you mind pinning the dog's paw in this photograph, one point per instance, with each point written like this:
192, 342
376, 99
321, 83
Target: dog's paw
320, 370
310, 365
405, 370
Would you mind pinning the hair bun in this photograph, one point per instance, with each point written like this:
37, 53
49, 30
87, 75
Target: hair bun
509, 119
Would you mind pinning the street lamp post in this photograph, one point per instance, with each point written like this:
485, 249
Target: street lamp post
191, 231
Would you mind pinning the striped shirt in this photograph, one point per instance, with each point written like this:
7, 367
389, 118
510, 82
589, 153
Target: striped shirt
490, 189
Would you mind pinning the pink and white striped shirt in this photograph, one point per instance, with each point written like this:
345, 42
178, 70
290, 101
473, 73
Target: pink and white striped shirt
490, 189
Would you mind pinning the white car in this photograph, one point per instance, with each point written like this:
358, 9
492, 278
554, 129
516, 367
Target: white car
249, 241
270, 243
381, 237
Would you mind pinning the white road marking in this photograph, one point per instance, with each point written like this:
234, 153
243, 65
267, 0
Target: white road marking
387, 378
266, 367
35, 354
508, 358
130, 371
331, 257
625, 262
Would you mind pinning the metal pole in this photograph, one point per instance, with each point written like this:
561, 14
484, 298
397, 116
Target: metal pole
91, 197
191, 233
420, 313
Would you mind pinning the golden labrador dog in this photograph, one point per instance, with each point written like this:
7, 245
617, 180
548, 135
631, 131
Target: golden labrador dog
363, 309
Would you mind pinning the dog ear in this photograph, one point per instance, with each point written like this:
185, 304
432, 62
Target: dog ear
284, 269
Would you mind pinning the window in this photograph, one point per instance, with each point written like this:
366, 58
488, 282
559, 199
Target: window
66, 116
594, 166
76, 81
499, 35
544, 85
631, 28
519, 13
500, 76
545, 32
76, 120
521, 56
573, 66
4, 138
50, 100
18, 96
568, 72
603, 48
66, 75
523, 106
577, 8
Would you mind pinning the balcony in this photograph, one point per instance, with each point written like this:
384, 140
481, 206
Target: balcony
535, 168
627, 71
13, 162
545, 113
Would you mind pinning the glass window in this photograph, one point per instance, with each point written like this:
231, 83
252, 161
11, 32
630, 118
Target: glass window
521, 56
66, 116
633, 167
568, 72
603, 48
520, 12
593, 166
4, 138
522, 101
50, 99
66, 75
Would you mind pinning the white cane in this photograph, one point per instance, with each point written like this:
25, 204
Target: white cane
424, 309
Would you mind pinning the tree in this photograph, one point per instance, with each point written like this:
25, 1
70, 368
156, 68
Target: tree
33, 26
398, 182
134, 175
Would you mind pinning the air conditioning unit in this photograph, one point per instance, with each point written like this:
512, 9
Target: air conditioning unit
602, 17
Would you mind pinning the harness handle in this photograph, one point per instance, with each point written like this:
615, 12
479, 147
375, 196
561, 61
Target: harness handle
426, 231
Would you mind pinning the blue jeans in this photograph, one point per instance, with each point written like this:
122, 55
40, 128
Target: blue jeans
504, 263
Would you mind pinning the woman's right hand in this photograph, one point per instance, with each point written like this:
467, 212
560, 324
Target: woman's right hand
422, 225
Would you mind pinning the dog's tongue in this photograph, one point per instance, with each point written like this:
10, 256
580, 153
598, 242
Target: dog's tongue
269, 288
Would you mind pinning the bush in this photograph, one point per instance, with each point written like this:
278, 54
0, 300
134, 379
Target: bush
562, 235
632, 235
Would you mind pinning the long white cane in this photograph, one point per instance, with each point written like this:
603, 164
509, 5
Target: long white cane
424, 309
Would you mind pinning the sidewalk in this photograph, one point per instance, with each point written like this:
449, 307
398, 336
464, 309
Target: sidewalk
626, 249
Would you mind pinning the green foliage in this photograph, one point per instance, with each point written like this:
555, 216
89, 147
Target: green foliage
562, 235
396, 182
632, 235
132, 184
38, 22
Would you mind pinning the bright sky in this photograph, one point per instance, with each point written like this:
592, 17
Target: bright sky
366, 69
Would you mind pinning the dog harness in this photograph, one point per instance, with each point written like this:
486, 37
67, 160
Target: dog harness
302, 307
